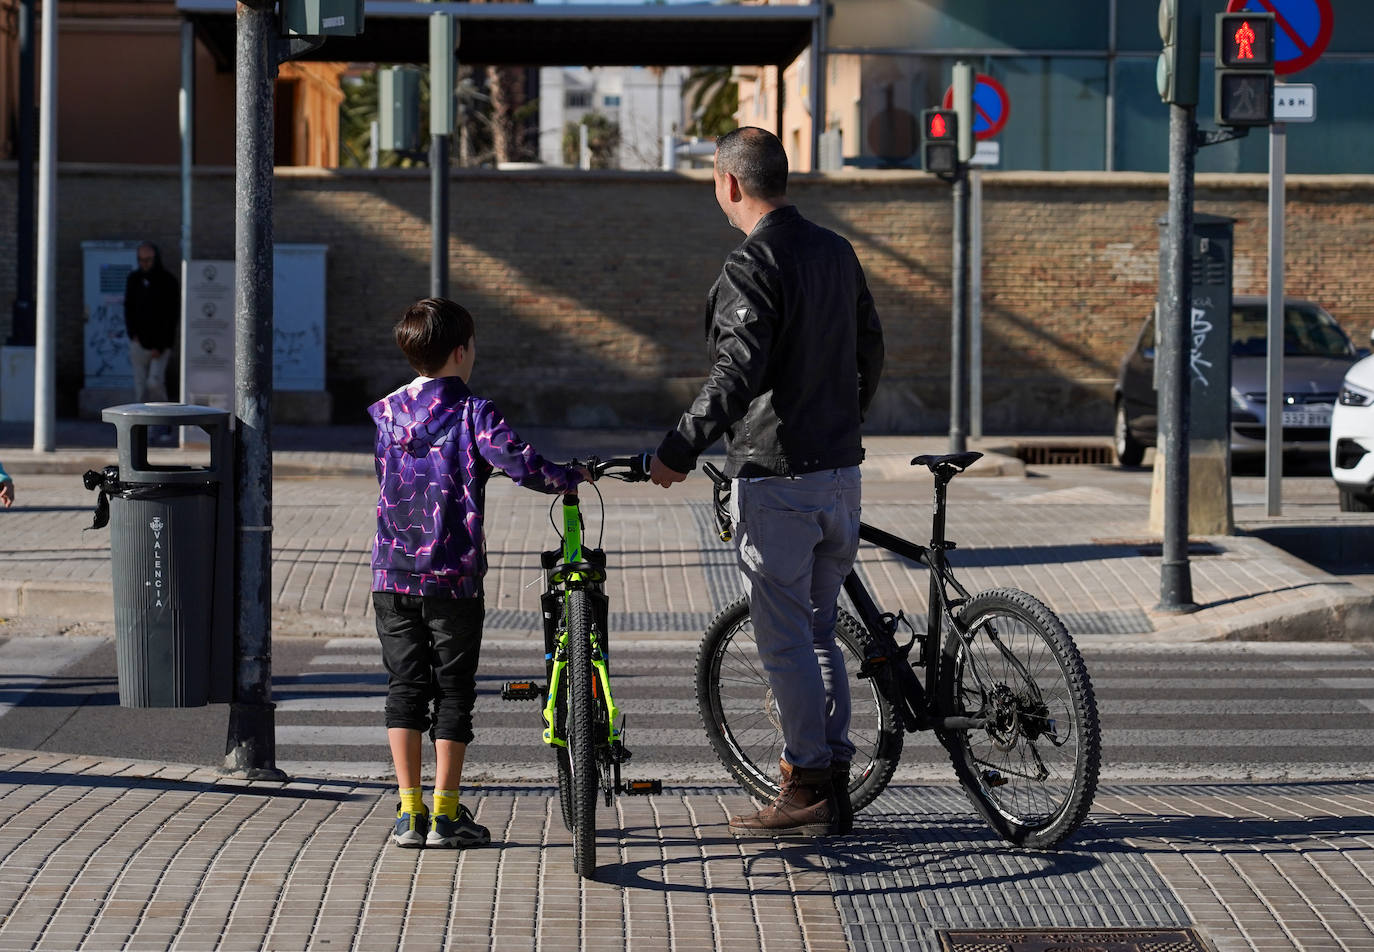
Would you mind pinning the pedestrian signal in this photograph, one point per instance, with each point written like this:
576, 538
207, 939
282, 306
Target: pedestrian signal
940, 141
1245, 69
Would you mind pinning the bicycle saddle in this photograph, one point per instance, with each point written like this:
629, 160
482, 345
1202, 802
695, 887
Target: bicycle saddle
956, 461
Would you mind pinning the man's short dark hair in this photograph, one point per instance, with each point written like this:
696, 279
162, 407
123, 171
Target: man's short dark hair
430, 331
756, 158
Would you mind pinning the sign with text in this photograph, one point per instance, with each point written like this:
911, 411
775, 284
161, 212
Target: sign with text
1295, 102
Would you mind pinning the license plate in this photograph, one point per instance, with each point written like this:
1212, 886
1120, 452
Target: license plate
1308, 416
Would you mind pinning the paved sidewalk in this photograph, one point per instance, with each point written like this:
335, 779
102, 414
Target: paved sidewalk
1086, 549
99, 854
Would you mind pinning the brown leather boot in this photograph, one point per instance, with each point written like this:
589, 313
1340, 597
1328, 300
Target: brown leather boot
801, 809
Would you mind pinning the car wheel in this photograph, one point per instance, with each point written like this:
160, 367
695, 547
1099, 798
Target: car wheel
1352, 501
1129, 451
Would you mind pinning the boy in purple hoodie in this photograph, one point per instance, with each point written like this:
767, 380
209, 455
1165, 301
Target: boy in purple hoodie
437, 444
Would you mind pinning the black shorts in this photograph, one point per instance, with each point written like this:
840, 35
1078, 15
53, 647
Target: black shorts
430, 647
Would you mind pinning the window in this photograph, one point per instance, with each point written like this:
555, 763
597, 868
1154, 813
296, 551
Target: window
579, 100
610, 102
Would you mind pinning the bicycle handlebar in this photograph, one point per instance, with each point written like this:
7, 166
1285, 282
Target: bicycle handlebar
631, 469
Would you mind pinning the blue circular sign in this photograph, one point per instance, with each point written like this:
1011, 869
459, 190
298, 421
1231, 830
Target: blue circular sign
991, 106
1302, 29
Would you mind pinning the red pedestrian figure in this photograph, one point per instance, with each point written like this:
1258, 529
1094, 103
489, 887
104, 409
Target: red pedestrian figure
1245, 38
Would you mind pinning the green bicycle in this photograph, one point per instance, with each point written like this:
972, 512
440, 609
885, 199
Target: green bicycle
582, 723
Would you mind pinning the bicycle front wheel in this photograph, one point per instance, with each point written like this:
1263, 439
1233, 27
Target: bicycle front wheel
1031, 770
741, 716
582, 721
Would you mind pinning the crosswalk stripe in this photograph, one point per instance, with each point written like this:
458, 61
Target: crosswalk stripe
375, 701
25, 662
355, 735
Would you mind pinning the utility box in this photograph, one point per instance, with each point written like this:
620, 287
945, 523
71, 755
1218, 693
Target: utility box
171, 559
322, 17
398, 109
1207, 340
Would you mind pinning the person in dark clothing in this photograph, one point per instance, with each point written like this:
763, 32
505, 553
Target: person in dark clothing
796, 351
152, 308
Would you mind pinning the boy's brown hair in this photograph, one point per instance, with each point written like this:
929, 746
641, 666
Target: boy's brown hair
430, 331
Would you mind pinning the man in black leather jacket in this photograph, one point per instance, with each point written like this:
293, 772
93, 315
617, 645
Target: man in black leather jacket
796, 351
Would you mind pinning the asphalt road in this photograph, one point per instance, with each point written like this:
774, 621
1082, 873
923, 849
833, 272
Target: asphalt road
1205, 710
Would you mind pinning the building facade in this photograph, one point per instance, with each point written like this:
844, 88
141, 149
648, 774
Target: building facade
1079, 75
645, 103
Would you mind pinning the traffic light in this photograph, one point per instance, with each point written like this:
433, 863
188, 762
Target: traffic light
1245, 69
940, 141
1180, 27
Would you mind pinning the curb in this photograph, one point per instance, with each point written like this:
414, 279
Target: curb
77, 601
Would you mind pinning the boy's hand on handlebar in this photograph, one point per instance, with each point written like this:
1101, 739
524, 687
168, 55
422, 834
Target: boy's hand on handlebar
587, 475
662, 475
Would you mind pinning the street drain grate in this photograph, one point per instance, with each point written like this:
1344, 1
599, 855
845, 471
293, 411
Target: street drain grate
1071, 940
1060, 454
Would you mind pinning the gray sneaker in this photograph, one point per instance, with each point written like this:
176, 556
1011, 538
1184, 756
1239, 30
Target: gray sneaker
410, 829
459, 833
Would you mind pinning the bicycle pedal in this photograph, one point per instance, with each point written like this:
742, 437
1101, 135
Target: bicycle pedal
994, 778
643, 788
521, 691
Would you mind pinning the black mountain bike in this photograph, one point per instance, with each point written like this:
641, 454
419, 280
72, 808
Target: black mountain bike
995, 675
582, 723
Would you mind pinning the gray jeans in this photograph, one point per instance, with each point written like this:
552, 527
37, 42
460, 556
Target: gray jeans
797, 538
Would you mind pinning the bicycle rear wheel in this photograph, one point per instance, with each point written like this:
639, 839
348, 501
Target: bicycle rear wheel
741, 717
1031, 771
582, 721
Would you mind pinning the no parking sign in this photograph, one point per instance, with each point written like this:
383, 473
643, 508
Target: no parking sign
991, 106
1302, 29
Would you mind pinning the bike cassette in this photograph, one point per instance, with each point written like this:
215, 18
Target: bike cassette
522, 691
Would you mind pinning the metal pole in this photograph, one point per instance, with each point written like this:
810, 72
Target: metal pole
45, 353
22, 330
959, 323
438, 215
442, 37
250, 749
1273, 373
958, 382
975, 294
817, 104
186, 115
1175, 582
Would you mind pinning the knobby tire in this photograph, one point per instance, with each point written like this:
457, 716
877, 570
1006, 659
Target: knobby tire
1031, 771
741, 720
582, 727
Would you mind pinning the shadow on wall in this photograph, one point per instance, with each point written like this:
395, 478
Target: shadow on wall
589, 288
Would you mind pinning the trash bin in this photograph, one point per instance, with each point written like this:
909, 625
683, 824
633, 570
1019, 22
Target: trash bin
171, 553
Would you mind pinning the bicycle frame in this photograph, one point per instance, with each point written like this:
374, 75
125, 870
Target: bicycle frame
578, 570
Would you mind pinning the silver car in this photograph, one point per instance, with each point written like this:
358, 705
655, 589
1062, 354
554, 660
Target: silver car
1316, 355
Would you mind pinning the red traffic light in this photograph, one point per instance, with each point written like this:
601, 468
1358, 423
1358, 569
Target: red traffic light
938, 129
1245, 40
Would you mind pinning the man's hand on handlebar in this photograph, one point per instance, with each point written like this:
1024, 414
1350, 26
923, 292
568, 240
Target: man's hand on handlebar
662, 475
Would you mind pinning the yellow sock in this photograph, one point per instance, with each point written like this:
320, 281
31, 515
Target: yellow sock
411, 801
446, 802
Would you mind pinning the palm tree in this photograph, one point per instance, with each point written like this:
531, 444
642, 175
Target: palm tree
714, 100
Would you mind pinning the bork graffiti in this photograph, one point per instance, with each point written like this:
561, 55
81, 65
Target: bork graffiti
1196, 362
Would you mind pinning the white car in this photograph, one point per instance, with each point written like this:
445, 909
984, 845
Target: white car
1352, 438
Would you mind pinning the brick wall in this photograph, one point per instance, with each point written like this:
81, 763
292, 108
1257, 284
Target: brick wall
588, 288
